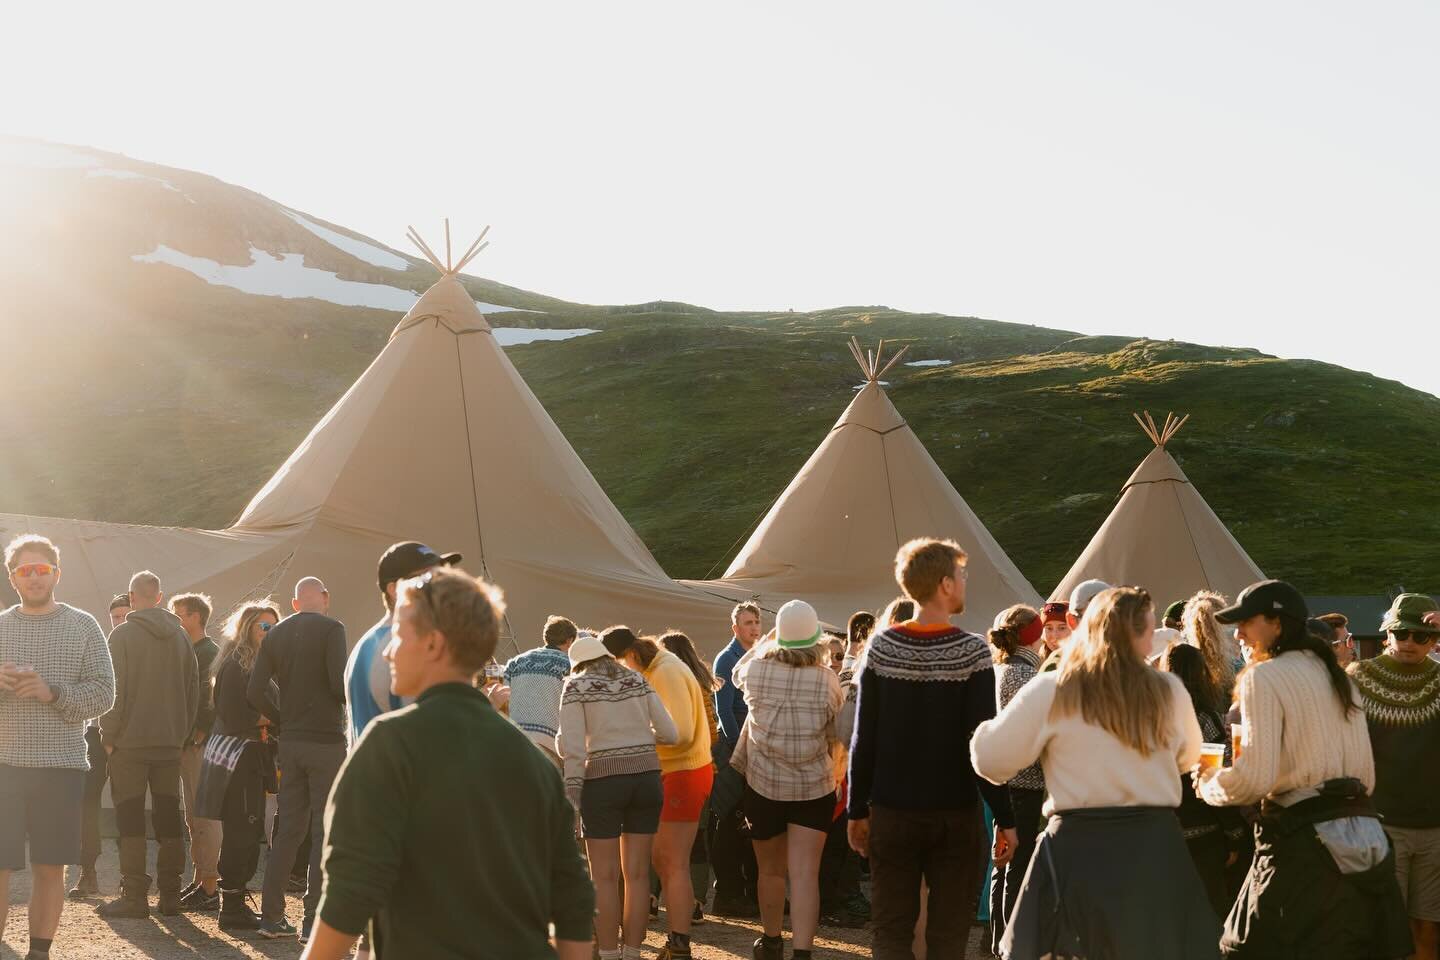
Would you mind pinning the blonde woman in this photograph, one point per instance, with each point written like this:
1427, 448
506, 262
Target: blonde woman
1110, 876
1221, 651
787, 753
237, 763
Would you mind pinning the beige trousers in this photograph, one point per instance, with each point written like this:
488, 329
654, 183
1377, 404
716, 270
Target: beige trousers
205, 835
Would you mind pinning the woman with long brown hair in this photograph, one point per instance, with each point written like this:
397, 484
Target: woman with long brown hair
238, 763
1110, 876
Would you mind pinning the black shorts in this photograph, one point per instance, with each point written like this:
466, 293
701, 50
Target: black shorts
769, 818
629, 803
41, 805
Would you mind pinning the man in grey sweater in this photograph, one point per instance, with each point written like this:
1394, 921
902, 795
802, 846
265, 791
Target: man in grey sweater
157, 695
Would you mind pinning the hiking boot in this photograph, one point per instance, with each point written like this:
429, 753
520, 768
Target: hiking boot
87, 886
169, 905
736, 908
676, 947
858, 906
276, 929
199, 901
133, 902
189, 889
771, 950
699, 915
236, 912
306, 925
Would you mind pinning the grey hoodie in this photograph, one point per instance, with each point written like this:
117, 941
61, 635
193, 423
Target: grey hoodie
157, 685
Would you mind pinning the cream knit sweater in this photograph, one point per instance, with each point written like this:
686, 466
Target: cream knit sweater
1085, 766
1295, 734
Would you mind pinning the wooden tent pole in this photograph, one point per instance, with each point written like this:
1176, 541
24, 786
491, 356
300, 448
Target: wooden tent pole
414, 236
448, 261
894, 360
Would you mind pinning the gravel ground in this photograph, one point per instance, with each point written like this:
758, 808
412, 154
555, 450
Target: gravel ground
85, 936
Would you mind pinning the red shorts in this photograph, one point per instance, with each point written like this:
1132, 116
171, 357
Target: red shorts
685, 794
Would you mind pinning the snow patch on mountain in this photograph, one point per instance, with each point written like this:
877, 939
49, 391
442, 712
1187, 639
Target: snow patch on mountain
358, 249
130, 175
287, 276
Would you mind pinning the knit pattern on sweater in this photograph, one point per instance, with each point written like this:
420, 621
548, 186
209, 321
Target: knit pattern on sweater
599, 695
536, 679
1010, 676
1397, 694
907, 651
68, 650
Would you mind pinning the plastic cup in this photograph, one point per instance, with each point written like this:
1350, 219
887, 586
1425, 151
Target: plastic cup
1237, 733
1212, 756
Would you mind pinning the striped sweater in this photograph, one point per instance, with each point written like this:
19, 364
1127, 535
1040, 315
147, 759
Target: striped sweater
609, 726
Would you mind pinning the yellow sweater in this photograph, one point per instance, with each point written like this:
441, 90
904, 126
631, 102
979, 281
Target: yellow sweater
683, 700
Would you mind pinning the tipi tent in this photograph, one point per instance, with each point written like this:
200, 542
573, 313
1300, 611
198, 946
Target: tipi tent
1162, 535
871, 486
439, 440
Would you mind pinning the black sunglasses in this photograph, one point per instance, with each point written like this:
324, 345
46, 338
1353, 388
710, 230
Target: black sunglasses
1424, 639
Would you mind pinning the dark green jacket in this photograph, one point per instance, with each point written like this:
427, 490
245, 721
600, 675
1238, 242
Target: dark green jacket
449, 833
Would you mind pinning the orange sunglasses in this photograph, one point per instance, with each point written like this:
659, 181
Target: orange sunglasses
27, 570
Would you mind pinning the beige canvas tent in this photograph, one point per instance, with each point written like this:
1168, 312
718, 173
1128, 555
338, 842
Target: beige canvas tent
439, 440
871, 485
1162, 535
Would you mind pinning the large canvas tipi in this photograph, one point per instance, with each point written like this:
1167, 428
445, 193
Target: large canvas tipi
831, 537
439, 440
1162, 535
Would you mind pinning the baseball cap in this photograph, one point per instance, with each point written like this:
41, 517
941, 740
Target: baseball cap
407, 558
120, 600
1081, 596
1408, 613
1271, 597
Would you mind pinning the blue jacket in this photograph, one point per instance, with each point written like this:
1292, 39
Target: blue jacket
730, 706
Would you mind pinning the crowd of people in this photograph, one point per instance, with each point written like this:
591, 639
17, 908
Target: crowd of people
1102, 776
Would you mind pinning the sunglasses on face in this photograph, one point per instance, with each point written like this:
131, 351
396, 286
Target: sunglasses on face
1414, 636
28, 570
265, 626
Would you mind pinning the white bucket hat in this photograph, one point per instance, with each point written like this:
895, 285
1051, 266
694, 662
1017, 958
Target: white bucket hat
797, 626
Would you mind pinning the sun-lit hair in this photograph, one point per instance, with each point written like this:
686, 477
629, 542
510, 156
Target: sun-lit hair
465, 610
1004, 635
193, 603
145, 584
34, 543
237, 640
1203, 631
922, 564
744, 607
1106, 680
896, 611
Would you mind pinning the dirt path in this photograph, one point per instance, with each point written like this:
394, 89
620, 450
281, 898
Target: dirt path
85, 936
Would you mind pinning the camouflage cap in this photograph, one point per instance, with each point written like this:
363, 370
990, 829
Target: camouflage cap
1408, 613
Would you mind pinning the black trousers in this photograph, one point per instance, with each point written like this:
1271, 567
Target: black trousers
732, 857
942, 847
94, 787
1005, 882
839, 867
244, 819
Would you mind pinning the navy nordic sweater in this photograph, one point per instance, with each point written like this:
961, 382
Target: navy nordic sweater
923, 691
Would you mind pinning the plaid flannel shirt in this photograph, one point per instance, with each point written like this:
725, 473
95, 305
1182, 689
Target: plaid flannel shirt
787, 746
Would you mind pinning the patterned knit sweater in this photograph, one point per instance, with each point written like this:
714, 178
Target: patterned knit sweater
1296, 735
923, 691
608, 727
1010, 676
68, 650
536, 679
1402, 708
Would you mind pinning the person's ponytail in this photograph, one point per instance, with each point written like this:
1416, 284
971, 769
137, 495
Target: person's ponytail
1008, 633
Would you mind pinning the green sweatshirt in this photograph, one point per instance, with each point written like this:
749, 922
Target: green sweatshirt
450, 835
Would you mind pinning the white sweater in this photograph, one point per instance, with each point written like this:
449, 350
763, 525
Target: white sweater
1295, 734
1084, 765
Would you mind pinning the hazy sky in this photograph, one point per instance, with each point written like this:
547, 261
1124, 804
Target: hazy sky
1260, 174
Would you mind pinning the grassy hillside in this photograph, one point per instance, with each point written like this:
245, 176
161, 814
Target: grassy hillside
141, 393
